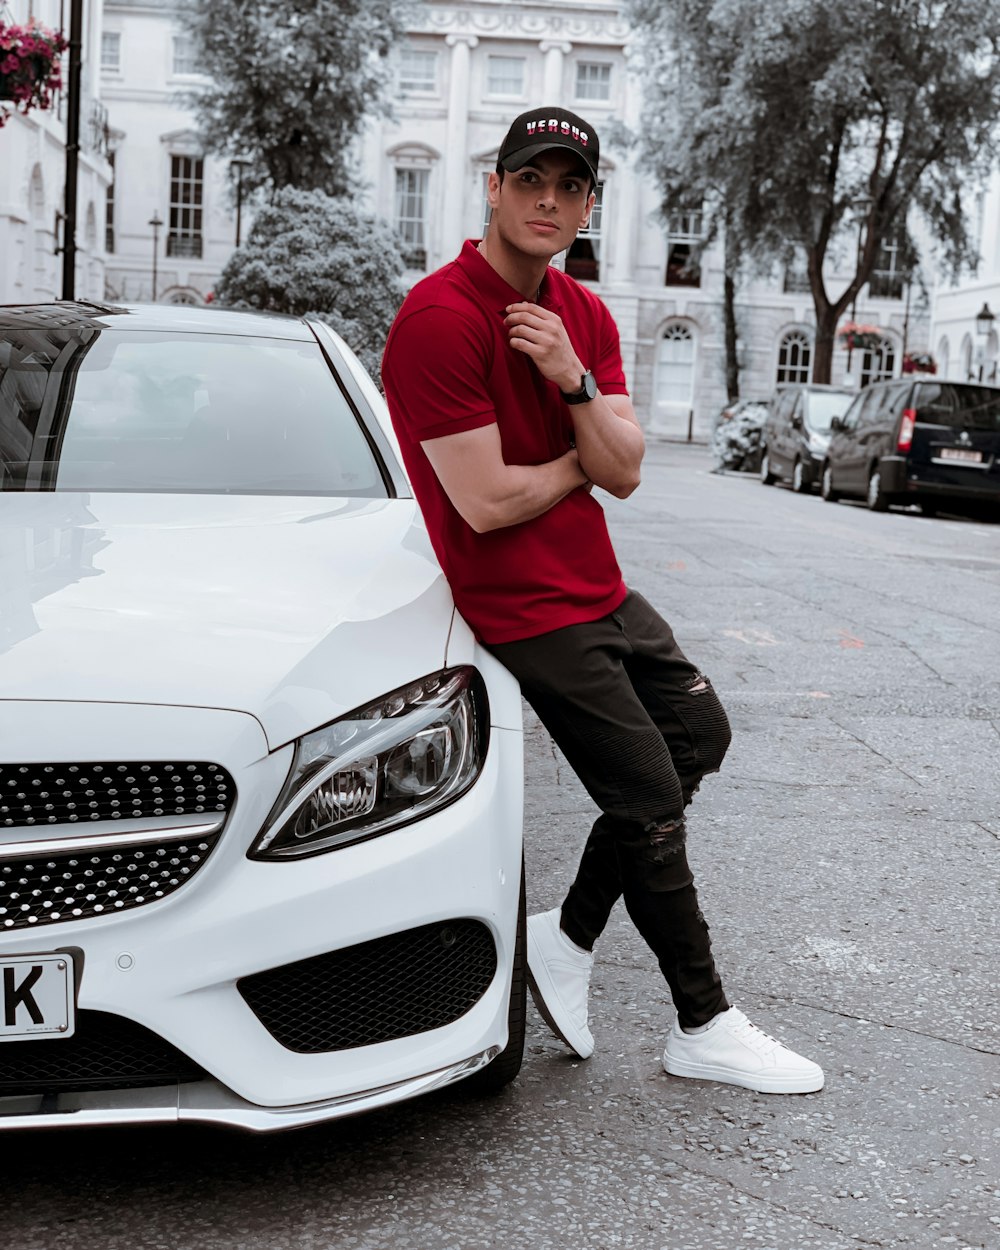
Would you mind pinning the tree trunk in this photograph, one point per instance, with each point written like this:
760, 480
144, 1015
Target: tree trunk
732, 360
827, 316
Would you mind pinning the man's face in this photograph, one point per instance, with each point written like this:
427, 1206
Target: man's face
539, 208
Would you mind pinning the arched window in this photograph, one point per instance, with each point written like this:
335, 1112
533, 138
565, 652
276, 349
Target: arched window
943, 356
794, 357
878, 364
965, 358
675, 365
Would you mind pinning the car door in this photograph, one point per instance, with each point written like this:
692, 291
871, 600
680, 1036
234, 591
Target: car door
846, 454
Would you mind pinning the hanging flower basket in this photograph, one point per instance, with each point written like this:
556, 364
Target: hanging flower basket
859, 338
29, 67
919, 362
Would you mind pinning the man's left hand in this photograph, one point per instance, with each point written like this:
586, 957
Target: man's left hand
541, 335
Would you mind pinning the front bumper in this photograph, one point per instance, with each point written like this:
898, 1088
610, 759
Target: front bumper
209, 1102
173, 965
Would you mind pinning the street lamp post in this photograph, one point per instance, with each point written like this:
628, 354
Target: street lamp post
241, 162
155, 222
984, 324
862, 206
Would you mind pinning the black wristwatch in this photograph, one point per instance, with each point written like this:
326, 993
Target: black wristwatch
587, 391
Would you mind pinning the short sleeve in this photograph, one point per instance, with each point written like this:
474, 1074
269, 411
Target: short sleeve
608, 371
435, 371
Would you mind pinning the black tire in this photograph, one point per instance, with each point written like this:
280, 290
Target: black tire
929, 509
826, 485
505, 1067
799, 483
767, 478
876, 499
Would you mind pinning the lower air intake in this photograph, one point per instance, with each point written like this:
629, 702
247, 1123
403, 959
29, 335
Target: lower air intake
378, 991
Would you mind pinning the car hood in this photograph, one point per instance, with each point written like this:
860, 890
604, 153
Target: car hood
293, 610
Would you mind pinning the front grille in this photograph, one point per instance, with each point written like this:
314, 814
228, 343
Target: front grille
46, 888
392, 987
66, 794
105, 1052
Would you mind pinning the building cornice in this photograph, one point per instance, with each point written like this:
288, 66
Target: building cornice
578, 21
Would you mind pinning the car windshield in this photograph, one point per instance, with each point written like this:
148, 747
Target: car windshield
85, 409
823, 406
959, 405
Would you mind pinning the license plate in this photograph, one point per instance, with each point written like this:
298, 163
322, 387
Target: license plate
961, 453
36, 997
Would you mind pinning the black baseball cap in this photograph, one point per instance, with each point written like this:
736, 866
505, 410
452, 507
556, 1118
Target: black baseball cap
540, 129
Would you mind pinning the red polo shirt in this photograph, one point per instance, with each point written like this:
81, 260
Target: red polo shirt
447, 368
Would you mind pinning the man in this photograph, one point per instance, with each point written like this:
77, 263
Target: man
505, 384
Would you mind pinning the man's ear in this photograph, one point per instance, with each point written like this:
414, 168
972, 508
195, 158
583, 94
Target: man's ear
585, 218
493, 185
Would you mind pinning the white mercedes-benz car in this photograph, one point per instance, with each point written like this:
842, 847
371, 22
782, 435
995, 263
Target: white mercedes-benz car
260, 789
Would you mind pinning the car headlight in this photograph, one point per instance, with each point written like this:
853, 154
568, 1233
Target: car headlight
388, 764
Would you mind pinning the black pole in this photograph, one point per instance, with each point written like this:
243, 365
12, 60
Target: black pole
72, 148
239, 199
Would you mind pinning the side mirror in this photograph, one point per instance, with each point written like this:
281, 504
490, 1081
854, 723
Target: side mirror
836, 423
796, 422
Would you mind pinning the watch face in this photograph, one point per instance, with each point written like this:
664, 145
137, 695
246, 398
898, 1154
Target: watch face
590, 385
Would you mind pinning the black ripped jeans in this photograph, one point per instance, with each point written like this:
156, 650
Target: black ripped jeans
640, 726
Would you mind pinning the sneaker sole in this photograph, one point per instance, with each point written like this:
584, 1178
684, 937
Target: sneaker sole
541, 986
730, 1076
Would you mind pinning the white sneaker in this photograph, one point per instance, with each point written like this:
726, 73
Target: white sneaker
559, 977
735, 1051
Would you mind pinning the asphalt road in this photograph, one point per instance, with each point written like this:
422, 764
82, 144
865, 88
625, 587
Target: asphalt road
846, 861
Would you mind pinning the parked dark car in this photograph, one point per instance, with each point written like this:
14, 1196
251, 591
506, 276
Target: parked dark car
936, 443
797, 433
736, 441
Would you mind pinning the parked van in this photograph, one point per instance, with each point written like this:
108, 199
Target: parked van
797, 432
936, 443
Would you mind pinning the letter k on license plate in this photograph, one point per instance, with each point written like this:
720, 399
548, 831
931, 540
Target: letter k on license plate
36, 997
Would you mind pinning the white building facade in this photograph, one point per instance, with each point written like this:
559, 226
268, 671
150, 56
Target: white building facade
159, 222
966, 314
170, 214
33, 176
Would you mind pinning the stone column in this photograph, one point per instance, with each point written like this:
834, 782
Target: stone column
552, 82
456, 156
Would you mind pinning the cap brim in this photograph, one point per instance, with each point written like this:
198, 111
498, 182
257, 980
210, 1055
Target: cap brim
520, 158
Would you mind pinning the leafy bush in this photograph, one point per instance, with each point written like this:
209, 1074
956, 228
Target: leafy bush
311, 253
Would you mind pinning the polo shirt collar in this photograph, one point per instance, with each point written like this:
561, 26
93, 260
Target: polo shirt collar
492, 290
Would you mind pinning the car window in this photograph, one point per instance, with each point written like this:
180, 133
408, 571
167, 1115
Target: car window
853, 414
959, 405
110, 410
823, 406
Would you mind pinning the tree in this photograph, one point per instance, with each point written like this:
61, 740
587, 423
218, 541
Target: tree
310, 253
801, 121
291, 81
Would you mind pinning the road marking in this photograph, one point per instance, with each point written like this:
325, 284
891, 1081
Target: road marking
752, 637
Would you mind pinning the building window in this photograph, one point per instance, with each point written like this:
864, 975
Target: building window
411, 215
583, 260
684, 234
794, 357
418, 71
505, 75
675, 366
111, 51
593, 80
797, 276
887, 279
109, 210
185, 60
187, 184
878, 364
